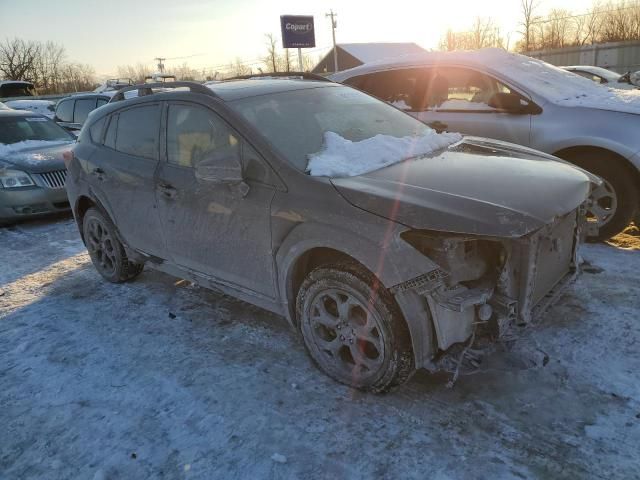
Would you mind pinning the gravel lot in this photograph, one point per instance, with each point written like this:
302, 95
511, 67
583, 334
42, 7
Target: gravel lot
161, 379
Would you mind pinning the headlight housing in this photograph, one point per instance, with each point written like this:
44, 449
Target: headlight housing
15, 179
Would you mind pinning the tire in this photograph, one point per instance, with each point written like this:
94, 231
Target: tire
105, 249
368, 352
620, 182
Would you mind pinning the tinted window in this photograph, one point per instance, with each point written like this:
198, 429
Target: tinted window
64, 111
18, 129
194, 133
398, 87
102, 101
96, 130
253, 166
137, 131
110, 137
83, 107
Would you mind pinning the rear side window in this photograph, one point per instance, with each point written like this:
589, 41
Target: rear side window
64, 111
397, 87
96, 130
138, 131
83, 107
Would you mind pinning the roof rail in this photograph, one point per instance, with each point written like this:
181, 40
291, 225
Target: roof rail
303, 75
147, 89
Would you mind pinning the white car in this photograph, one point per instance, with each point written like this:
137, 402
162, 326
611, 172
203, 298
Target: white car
495, 94
43, 107
603, 76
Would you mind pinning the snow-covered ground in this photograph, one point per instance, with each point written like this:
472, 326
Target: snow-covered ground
160, 379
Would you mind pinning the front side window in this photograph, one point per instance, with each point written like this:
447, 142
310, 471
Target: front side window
137, 131
459, 89
83, 107
195, 133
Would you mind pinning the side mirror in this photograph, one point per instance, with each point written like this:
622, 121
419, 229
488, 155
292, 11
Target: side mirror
509, 102
220, 167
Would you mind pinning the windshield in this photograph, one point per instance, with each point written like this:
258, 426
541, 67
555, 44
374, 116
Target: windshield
295, 122
20, 129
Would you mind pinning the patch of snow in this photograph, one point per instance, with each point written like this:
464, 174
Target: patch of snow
344, 158
43, 107
368, 52
401, 104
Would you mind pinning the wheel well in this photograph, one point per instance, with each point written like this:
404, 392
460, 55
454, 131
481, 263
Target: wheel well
573, 154
307, 262
82, 205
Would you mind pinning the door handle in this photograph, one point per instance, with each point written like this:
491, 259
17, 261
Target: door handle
99, 173
438, 126
167, 190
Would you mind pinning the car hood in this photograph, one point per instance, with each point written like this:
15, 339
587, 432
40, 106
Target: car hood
36, 159
478, 186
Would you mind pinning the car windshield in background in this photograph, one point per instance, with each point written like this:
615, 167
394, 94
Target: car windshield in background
295, 122
19, 129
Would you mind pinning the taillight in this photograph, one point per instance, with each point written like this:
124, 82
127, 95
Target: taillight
68, 158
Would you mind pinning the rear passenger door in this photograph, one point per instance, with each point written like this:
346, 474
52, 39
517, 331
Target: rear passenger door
122, 172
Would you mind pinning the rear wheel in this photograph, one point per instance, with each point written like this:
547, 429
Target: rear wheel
614, 204
106, 251
352, 328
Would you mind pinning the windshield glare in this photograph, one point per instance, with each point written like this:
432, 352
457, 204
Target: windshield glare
295, 122
20, 129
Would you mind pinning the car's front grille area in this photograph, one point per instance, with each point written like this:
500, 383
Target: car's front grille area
54, 179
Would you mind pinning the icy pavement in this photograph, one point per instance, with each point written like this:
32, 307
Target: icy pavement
159, 379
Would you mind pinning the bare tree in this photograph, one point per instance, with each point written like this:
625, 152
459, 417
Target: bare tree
271, 60
528, 18
17, 58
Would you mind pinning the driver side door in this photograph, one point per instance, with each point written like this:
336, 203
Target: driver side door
219, 229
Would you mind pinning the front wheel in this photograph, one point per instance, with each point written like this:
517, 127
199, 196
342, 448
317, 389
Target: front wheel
614, 205
106, 251
352, 328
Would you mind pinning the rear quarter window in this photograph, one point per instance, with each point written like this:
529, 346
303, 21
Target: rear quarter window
64, 111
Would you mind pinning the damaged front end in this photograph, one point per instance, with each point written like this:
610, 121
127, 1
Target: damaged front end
495, 282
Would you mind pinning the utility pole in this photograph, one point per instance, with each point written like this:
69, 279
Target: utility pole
160, 64
334, 25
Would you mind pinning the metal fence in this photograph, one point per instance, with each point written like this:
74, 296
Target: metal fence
620, 57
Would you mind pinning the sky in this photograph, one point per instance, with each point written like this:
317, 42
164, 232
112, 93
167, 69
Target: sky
208, 34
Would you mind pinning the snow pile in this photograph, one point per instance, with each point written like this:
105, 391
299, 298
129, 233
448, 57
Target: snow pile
343, 158
557, 85
43, 107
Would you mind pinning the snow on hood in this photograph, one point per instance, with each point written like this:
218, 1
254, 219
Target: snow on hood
557, 85
344, 158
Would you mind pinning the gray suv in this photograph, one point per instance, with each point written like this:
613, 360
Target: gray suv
379, 271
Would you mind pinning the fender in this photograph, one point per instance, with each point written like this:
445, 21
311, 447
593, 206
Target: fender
393, 265
586, 142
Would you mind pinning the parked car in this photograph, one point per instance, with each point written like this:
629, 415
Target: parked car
16, 88
32, 171
71, 112
380, 240
42, 107
603, 76
501, 95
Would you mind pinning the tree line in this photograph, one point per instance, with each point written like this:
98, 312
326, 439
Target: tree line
610, 21
45, 64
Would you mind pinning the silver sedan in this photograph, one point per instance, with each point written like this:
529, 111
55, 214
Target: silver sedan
510, 97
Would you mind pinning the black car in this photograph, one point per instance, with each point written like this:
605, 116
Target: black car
71, 112
378, 269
